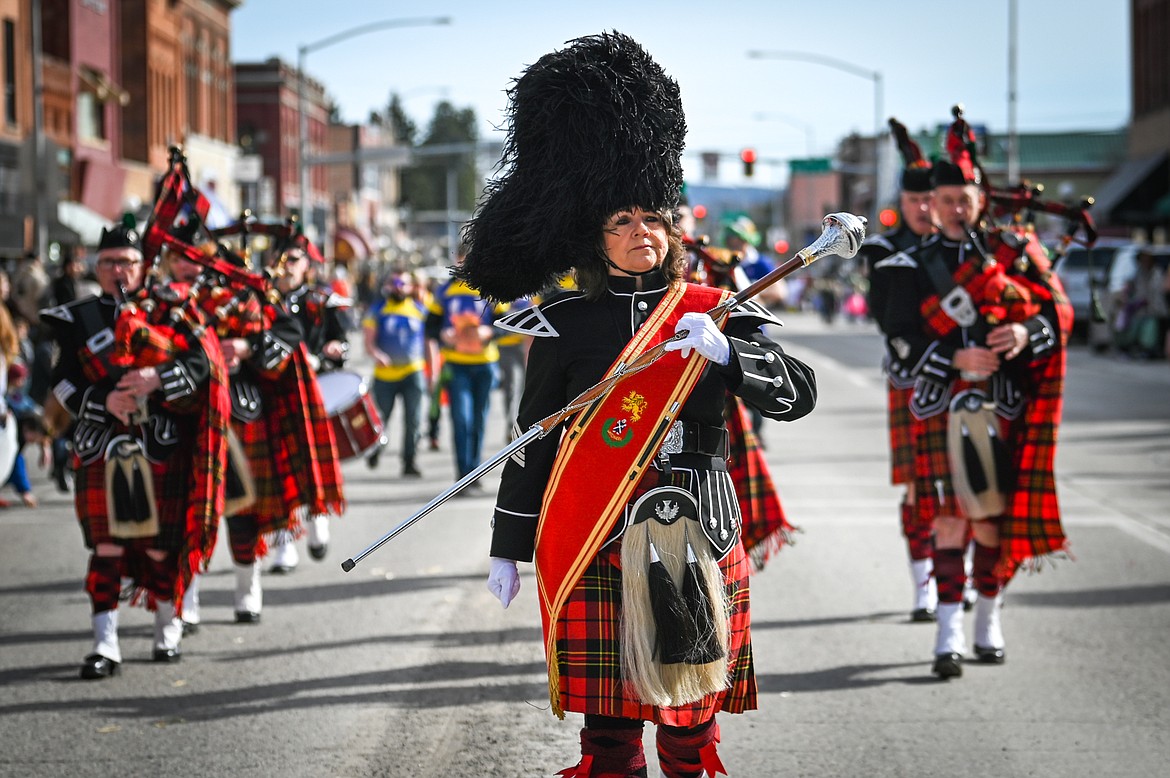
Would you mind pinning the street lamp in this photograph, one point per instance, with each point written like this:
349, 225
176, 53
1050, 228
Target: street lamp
791, 121
878, 109
303, 117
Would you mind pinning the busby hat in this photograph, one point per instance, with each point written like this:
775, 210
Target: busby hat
916, 169
593, 128
121, 235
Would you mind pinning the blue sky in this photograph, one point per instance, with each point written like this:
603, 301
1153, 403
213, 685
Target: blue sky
1073, 61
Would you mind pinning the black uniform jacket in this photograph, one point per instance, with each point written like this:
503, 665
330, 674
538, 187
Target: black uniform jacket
915, 353
324, 316
877, 248
577, 340
84, 331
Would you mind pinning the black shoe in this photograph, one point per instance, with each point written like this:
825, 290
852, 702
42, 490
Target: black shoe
247, 617
167, 655
96, 666
411, 471
190, 628
919, 615
948, 666
989, 656
61, 480
372, 459
318, 552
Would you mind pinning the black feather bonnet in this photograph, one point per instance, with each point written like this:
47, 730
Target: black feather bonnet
595, 127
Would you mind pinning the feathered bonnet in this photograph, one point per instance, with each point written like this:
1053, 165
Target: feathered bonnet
962, 166
595, 127
916, 169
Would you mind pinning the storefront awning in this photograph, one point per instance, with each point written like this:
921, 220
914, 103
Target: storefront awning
349, 245
1132, 174
86, 222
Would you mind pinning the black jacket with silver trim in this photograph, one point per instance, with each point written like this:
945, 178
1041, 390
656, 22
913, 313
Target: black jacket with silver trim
84, 332
575, 342
916, 356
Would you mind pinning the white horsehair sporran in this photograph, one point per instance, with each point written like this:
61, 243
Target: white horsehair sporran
675, 609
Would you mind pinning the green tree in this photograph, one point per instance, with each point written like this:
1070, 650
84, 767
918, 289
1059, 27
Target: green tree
424, 185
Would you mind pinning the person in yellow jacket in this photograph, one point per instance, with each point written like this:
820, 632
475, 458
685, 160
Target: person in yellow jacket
394, 333
461, 321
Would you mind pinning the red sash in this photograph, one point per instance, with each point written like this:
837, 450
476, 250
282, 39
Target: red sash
602, 458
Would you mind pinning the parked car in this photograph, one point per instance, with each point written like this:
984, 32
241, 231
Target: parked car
1105, 270
1085, 274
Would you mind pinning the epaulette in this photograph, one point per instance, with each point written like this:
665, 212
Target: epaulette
752, 310
899, 259
67, 313
879, 240
534, 321
335, 300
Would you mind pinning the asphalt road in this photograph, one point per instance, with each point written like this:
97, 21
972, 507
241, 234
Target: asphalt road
406, 666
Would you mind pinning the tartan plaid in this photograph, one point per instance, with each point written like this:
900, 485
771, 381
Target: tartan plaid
1030, 529
188, 485
589, 653
765, 526
171, 489
934, 494
292, 453
902, 427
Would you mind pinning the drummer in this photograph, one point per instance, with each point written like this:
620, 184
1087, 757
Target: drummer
325, 318
395, 340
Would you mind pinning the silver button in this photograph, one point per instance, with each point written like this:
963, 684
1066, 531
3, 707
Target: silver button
770, 357
642, 305
777, 381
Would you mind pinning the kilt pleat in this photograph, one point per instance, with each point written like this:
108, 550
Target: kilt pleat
269, 511
901, 423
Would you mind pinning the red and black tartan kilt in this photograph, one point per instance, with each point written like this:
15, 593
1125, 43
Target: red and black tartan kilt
172, 490
902, 425
269, 510
590, 655
933, 468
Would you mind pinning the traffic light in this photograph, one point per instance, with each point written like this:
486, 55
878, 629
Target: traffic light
888, 217
748, 156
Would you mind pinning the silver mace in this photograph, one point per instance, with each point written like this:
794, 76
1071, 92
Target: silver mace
842, 235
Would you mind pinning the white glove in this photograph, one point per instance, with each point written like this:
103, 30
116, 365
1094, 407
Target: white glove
703, 336
503, 580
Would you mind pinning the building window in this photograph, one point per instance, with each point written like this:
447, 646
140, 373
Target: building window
91, 117
10, 72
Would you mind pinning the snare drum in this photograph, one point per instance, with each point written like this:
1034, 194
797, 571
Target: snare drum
352, 413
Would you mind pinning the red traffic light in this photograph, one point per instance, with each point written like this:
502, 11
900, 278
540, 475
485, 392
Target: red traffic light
748, 156
888, 217
780, 246
699, 212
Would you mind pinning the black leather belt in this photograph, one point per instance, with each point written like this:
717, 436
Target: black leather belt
686, 437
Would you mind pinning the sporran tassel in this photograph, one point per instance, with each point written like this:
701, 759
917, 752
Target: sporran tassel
124, 508
975, 473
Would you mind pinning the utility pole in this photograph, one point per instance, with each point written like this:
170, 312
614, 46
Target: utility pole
40, 178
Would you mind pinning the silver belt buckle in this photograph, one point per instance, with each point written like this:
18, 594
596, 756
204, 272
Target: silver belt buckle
673, 443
